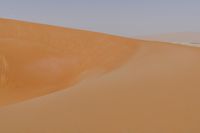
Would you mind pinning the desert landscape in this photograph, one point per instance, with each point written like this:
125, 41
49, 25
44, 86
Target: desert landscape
63, 80
184, 38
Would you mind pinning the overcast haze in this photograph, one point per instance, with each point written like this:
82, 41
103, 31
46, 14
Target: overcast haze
122, 17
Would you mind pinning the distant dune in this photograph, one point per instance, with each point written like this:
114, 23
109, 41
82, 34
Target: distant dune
179, 37
72, 81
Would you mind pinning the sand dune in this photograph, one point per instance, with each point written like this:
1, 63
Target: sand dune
179, 37
41, 59
139, 86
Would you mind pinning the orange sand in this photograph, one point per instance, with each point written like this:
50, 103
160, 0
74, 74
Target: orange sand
38, 59
110, 84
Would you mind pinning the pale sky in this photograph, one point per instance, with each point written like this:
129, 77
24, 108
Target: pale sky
119, 17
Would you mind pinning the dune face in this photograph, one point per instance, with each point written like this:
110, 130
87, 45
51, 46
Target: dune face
144, 87
39, 59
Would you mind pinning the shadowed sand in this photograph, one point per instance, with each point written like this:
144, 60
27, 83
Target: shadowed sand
151, 87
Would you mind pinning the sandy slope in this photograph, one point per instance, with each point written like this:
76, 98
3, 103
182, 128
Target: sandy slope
39, 59
155, 91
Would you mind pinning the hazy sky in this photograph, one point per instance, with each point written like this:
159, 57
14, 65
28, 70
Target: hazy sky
120, 17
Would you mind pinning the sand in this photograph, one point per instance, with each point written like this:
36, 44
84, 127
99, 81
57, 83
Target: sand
121, 85
41, 59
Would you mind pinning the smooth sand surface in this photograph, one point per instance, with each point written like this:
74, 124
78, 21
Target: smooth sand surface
143, 87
